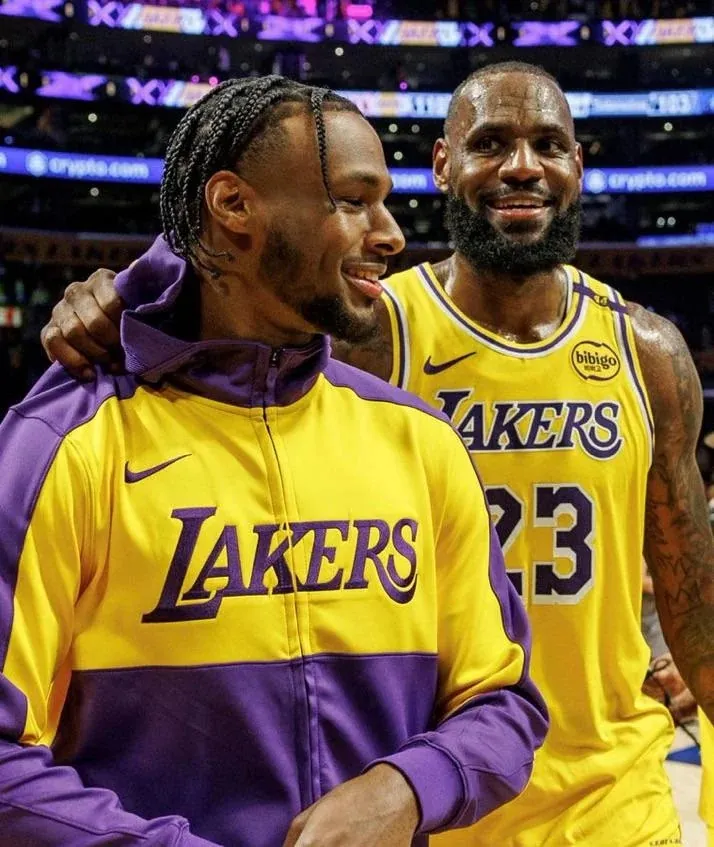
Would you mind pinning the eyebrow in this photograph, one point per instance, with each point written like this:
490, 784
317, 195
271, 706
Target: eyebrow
366, 177
496, 126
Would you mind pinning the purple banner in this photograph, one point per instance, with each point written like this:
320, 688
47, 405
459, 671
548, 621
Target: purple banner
71, 86
305, 30
310, 29
81, 166
542, 34
181, 94
45, 10
663, 31
359, 28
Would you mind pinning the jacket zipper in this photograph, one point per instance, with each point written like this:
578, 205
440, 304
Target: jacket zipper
300, 679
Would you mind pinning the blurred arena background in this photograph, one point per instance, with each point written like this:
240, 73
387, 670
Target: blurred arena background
91, 90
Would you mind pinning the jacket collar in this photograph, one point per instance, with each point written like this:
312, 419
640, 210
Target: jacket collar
244, 373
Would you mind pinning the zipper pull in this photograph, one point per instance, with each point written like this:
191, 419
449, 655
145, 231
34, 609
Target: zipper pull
275, 357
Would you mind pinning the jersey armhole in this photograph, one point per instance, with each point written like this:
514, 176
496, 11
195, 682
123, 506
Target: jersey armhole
626, 339
399, 374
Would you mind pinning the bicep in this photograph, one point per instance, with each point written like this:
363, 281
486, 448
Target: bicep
678, 540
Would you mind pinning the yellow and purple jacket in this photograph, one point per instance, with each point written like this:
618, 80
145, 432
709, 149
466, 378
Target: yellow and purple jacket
233, 579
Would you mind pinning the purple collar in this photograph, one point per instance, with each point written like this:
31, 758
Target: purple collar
244, 373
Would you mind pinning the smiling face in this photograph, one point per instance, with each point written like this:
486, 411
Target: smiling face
511, 169
322, 265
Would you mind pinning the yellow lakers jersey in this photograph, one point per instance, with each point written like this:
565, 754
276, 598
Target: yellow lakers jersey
706, 803
561, 433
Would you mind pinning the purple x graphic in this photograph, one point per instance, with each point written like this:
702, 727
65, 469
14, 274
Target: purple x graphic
103, 13
475, 34
619, 32
45, 10
7, 79
540, 34
70, 86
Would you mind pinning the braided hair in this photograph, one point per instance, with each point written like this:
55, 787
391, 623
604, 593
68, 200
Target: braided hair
231, 123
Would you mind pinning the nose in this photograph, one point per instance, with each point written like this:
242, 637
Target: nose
385, 237
522, 164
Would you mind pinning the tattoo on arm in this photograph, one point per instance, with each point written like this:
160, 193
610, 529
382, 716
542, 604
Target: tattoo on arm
679, 548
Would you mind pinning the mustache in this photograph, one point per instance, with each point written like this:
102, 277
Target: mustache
485, 248
505, 193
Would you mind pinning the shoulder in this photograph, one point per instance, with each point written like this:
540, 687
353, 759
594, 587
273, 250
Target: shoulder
670, 377
372, 389
61, 404
409, 423
38, 435
658, 341
654, 334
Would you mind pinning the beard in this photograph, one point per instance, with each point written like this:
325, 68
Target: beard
282, 270
485, 248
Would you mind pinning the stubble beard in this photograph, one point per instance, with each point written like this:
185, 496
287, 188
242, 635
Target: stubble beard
281, 266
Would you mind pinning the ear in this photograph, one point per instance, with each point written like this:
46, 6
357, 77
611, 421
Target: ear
579, 162
231, 202
441, 166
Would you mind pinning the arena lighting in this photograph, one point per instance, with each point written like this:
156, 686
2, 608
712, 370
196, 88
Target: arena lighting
361, 28
147, 171
10, 316
374, 104
678, 240
44, 10
358, 11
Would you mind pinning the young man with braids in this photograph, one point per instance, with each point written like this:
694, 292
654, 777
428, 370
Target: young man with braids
583, 414
250, 596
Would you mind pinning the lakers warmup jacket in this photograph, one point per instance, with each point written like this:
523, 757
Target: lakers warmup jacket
234, 579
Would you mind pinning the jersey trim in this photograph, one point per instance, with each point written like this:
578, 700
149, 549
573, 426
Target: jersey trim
401, 354
607, 302
571, 323
623, 337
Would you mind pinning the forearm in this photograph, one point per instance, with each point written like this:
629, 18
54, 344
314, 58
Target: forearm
688, 627
680, 553
43, 803
476, 760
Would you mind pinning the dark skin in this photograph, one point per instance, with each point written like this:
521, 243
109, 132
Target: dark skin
512, 132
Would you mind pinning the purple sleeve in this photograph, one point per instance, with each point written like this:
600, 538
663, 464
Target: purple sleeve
42, 803
482, 756
46, 804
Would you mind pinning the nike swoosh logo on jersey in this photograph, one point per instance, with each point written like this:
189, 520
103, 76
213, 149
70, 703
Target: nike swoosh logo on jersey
137, 476
431, 369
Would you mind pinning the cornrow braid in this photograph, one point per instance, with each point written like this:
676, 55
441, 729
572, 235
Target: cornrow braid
317, 95
216, 134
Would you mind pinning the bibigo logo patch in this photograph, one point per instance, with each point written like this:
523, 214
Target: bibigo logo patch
596, 361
